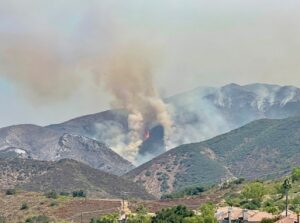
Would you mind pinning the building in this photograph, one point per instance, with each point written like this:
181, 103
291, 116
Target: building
291, 218
236, 214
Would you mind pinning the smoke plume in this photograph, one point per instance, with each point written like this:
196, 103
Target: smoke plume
38, 67
128, 75
46, 72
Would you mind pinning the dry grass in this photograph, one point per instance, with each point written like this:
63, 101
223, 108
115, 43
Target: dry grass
62, 209
69, 209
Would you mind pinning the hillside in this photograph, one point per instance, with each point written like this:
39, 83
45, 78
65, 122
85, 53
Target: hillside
197, 115
206, 112
63, 209
46, 144
65, 176
262, 149
111, 127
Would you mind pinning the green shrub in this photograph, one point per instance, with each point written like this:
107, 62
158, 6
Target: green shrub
139, 219
79, 193
38, 219
238, 181
296, 174
189, 191
233, 201
11, 192
2, 219
272, 209
148, 173
267, 220
270, 206
110, 218
251, 204
24, 206
172, 215
53, 204
51, 194
64, 193
255, 191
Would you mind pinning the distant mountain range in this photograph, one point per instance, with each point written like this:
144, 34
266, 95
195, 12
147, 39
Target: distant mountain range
206, 112
65, 176
197, 115
42, 143
262, 149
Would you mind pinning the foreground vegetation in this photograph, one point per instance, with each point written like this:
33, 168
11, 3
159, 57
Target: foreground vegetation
178, 214
266, 195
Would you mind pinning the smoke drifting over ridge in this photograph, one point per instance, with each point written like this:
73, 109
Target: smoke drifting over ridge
48, 73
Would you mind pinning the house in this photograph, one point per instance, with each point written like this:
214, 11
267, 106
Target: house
236, 214
291, 218
288, 219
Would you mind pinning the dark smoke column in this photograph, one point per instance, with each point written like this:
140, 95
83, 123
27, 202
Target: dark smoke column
153, 146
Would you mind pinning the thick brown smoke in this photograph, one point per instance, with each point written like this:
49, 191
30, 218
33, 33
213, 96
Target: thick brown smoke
128, 76
43, 72
38, 68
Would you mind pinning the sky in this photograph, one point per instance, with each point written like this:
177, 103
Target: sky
49, 49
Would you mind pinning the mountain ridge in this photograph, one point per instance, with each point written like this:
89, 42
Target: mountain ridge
197, 115
65, 175
265, 148
46, 144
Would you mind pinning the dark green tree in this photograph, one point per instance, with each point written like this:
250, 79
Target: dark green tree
110, 218
296, 174
254, 191
172, 215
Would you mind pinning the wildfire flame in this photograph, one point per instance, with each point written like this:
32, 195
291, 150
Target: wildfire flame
146, 134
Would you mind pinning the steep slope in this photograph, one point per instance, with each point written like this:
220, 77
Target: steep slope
65, 175
197, 115
46, 144
95, 125
262, 149
111, 127
206, 112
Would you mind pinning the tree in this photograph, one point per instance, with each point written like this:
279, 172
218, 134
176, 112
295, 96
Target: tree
141, 216
79, 193
208, 209
296, 174
207, 215
269, 206
296, 206
51, 194
279, 189
141, 210
173, 215
194, 219
110, 218
254, 191
138, 218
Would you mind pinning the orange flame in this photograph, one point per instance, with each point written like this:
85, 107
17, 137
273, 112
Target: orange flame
146, 134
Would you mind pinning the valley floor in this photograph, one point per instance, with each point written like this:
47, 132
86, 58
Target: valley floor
69, 209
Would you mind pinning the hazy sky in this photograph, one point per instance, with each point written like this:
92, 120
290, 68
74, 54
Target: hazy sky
44, 45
